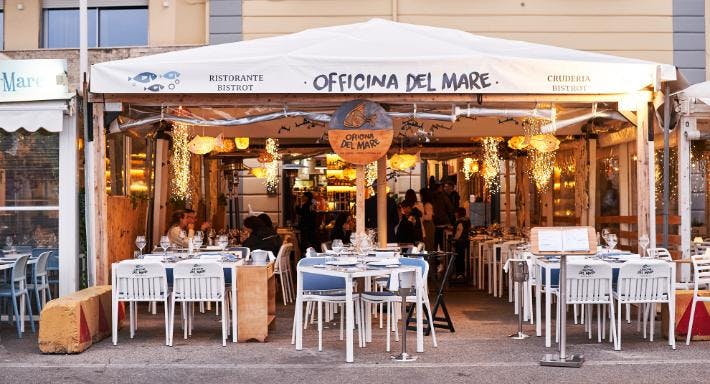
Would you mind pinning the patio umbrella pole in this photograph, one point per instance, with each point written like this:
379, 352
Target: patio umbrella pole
561, 359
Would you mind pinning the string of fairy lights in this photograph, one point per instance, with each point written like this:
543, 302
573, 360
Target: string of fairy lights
181, 161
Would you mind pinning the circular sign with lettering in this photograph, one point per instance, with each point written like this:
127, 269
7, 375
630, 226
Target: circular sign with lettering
360, 131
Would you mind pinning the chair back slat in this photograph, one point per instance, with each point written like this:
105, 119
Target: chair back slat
141, 280
201, 280
589, 281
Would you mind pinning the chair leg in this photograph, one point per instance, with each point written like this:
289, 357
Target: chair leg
613, 327
320, 326
690, 321
283, 288
185, 318
628, 313
172, 321
389, 326
114, 320
224, 321
132, 323
342, 316
652, 319
168, 335
29, 312
618, 330
427, 305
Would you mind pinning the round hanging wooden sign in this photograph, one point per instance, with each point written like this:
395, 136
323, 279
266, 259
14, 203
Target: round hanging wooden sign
360, 132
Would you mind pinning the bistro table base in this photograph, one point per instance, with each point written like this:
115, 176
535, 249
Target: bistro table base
554, 360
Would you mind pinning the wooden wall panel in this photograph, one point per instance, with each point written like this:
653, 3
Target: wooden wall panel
125, 221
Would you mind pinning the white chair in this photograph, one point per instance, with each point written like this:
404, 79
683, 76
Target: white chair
198, 281
659, 253
136, 281
701, 272
645, 282
589, 283
282, 269
389, 298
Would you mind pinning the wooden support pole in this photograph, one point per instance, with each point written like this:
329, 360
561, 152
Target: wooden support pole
507, 219
592, 156
360, 199
684, 205
382, 201
99, 208
643, 177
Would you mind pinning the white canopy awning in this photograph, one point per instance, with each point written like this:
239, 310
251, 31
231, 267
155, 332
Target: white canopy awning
699, 91
379, 56
33, 115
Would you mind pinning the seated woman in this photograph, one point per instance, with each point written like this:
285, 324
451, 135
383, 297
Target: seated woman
341, 229
259, 236
177, 233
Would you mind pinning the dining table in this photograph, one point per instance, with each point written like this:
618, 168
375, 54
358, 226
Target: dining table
547, 277
360, 270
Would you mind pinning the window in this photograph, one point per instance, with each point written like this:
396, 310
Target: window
107, 27
29, 188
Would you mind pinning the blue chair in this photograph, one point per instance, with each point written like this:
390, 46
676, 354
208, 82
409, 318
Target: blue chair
390, 297
319, 289
15, 289
39, 281
52, 265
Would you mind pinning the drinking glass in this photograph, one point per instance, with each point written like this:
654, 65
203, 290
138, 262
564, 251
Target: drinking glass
197, 241
611, 240
165, 243
643, 244
140, 243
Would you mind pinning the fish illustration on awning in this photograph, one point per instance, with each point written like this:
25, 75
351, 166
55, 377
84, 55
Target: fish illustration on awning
144, 77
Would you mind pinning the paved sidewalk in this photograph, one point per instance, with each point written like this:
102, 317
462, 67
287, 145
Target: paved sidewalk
479, 352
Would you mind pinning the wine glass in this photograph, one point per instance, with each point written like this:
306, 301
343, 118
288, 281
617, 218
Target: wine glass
353, 238
222, 242
8, 243
165, 243
643, 244
611, 240
337, 246
140, 243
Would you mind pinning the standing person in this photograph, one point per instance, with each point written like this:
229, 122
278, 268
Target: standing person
307, 222
463, 226
450, 191
427, 209
442, 210
341, 229
409, 227
371, 215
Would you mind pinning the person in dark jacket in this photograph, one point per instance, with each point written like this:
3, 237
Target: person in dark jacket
341, 228
371, 215
258, 236
409, 230
463, 226
442, 211
307, 222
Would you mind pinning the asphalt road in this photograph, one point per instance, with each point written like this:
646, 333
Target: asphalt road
478, 352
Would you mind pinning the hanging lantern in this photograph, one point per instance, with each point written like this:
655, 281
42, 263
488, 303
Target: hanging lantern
201, 145
518, 142
272, 166
402, 161
265, 157
545, 143
542, 165
259, 172
470, 166
222, 146
242, 143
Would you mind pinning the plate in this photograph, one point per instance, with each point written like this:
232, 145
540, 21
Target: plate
342, 263
392, 266
384, 263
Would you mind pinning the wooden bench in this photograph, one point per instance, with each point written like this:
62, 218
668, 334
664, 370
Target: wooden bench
70, 324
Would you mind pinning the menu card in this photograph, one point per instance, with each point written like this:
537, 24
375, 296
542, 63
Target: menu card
567, 240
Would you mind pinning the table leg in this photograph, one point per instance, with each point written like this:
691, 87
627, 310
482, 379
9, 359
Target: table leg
538, 304
367, 327
548, 306
299, 310
234, 304
420, 316
349, 309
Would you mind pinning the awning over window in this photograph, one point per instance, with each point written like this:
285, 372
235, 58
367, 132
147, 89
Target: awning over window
33, 115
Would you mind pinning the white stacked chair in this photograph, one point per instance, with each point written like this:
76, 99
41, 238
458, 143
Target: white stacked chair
282, 269
589, 283
701, 272
645, 282
137, 281
198, 281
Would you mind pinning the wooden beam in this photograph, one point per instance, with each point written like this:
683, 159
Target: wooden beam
99, 209
382, 201
684, 197
621, 136
360, 199
630, 116
643, 194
